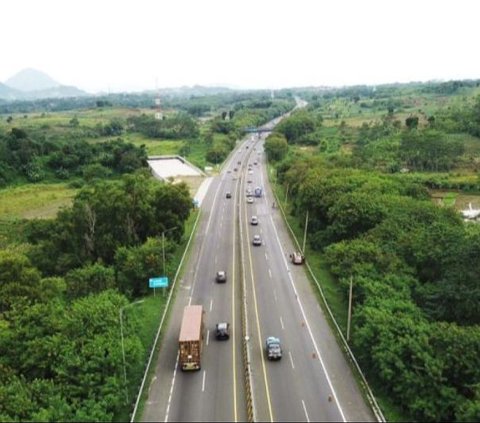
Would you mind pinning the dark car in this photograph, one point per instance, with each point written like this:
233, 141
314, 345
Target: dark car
273, 348
228, 195
221, 276
222, 331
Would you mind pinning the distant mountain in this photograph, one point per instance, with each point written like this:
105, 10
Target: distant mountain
31, 84
31, 80
8, 93
54, 92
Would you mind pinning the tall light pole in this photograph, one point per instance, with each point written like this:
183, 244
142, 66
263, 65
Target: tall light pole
305, 234
163, 246
123, 345
349, 308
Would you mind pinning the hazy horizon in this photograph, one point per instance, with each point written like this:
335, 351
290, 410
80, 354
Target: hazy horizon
143, 45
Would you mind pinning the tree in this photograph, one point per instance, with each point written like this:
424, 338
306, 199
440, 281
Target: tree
136, 265
298, 125
276, 146
19, 280
88, 280
411, 122
74, 123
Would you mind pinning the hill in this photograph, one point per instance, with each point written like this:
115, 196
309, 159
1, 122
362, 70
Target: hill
8, 93
31, 80
32, 84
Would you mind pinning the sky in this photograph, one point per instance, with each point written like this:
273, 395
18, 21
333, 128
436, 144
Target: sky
132, 45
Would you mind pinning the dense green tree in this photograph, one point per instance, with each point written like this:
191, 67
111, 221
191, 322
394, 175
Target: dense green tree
19, 280
90, 279
276, 146
216, 154
108, 216
136, 265
297, 125
429, 150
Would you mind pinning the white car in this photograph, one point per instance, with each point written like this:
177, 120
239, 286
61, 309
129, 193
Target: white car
254, 220
257, 240
249, 200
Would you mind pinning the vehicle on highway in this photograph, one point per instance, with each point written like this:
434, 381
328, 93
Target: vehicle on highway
250, 172
254, 220
191, 338
273, 348
257, 240
221, 276
235, 169
228, 195
249, 192
297, 258
222, 331
258, 192
249, 200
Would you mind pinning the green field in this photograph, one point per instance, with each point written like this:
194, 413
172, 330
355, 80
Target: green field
34, 200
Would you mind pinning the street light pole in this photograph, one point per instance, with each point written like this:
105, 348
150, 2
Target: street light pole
163, 254
305, 234
349, 309
123, 345
163, 250
163, 246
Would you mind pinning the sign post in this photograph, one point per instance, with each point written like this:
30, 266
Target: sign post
160, 282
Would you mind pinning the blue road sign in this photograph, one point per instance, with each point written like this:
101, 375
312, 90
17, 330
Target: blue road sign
158, 282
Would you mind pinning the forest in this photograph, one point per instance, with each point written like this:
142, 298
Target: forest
366, 180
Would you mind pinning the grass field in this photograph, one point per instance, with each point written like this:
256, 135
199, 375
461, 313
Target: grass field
34, 200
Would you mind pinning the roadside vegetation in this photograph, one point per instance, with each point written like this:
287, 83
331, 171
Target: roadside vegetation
81, 225
366, 164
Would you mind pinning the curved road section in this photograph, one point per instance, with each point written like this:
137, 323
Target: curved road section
312, 381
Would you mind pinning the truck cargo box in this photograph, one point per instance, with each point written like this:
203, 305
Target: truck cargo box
191, 338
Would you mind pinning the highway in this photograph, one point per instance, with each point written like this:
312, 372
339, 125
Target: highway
312, 381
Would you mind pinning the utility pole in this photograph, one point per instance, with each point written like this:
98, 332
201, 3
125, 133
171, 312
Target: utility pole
123, 345
349, 308
305, 234
163, 254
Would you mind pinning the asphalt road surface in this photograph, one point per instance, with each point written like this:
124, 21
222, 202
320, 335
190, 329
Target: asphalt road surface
312, 381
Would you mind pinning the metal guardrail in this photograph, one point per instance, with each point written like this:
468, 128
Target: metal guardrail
167, 306
250, 407
371, 398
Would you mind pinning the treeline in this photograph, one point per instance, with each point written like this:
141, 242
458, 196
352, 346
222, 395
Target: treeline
414, 266
26, 158
386, 144
176, 126
62, 290
231, 125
